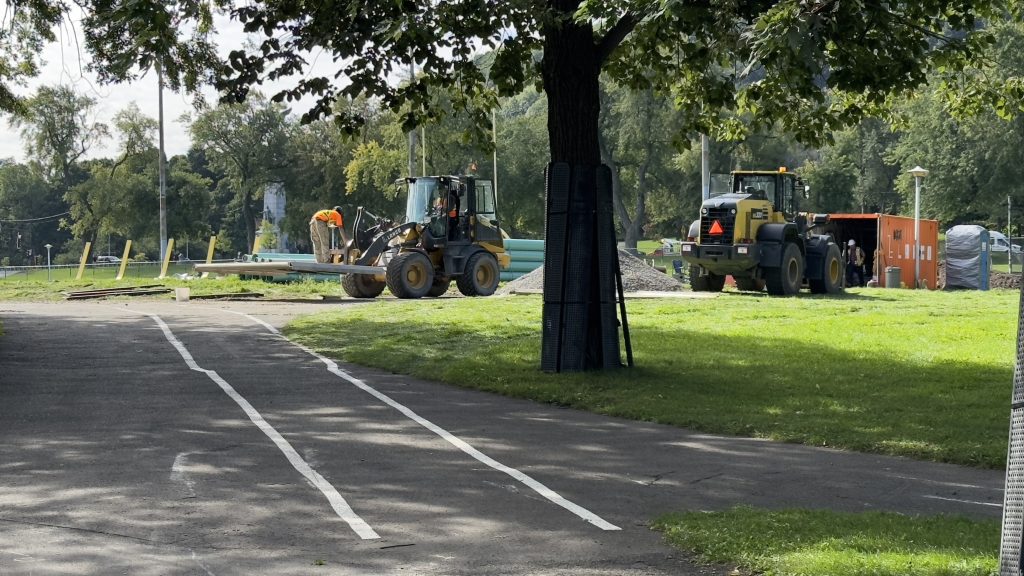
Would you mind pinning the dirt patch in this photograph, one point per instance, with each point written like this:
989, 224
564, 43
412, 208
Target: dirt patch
995, 279
637, 276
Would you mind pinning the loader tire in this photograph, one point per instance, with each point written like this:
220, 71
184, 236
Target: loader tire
789, 276
698, 283
709, 282
750, 284
361, 286
440, 286
831, 281
410, 275
481, 275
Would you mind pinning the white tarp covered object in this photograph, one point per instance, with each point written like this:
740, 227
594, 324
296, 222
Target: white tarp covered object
967, 263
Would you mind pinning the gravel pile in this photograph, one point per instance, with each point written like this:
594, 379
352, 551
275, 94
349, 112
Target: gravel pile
637, 276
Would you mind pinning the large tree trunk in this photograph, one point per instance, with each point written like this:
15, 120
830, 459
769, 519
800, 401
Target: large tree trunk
571, 74
249, 215
580, 330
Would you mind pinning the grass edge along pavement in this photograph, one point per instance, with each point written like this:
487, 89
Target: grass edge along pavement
824, 543
34, 290
912, 373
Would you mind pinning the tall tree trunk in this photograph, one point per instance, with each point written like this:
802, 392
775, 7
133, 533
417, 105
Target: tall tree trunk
580, 329
249, 215
636, 228
571, 71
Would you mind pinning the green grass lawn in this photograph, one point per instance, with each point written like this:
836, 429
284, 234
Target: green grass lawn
920, 374
41, 290
134, 271
822, 543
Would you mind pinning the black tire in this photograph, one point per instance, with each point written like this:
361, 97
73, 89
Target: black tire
715, 282
750, 284
709, 282
787, 278
440, 286
831, 281
410, 275
361, 285
481, 275
698, 283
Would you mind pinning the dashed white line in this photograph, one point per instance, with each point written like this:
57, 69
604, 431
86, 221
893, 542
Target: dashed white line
525, 479
179, 476
200, 563
340, 506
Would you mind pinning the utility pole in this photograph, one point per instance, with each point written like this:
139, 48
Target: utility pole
163, 170
494, 136
412, 133
1009, 232
705, 167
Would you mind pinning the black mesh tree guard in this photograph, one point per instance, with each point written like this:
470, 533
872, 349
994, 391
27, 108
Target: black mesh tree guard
580, 325
1011, 555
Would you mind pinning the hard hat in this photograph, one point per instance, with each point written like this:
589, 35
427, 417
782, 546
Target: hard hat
851, 242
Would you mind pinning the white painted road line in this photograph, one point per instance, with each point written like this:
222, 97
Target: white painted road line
179, 476
992, 504
338, 503
534, 485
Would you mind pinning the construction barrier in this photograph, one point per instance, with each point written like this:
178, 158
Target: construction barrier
526, 255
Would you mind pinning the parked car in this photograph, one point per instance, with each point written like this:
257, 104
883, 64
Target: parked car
998, 242
107, 260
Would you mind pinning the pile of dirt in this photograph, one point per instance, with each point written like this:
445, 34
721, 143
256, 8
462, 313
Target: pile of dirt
1004, 280
995, 279
637, 276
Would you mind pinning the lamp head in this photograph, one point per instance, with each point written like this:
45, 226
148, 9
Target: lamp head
918, 172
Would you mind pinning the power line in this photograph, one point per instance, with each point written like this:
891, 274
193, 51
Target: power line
35, 219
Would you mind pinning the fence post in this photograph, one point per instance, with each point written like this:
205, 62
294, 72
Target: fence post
85, 258
124, 260
167, 259
209, 254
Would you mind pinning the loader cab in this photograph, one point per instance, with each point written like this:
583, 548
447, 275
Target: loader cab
778, 187
452, 209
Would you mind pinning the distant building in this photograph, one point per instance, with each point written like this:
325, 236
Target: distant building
274, 201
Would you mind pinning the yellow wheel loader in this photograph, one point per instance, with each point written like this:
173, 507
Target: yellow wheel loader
451, 233
755, 234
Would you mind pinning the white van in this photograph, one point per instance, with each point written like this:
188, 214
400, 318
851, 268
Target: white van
998, 242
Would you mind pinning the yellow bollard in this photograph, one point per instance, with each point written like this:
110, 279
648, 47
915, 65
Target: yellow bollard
124, 260
209, 254
85, 258
167, 259
256, 245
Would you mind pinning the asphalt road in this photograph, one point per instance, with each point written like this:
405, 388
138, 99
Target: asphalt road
165, 438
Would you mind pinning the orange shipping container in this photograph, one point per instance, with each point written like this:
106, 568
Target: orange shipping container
889, 241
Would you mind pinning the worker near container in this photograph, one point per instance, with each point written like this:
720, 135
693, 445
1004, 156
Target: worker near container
321, 226
854, 258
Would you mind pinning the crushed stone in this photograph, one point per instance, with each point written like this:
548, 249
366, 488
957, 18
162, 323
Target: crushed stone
637, 276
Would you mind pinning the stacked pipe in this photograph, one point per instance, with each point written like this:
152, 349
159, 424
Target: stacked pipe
526, 255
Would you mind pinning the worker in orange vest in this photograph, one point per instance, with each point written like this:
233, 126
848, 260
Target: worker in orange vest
321, 227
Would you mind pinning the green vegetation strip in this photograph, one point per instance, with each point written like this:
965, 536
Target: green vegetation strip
41, 290
913, 373
821, 543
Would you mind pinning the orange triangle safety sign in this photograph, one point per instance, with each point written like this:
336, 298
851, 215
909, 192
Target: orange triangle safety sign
716, 229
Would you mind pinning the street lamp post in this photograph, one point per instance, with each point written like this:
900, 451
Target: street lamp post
48, 246
918, 173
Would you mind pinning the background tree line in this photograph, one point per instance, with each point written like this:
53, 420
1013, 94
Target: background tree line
64, 196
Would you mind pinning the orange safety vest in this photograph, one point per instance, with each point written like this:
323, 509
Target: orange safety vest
329, 216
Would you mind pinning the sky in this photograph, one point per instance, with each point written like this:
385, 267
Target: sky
65, 63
